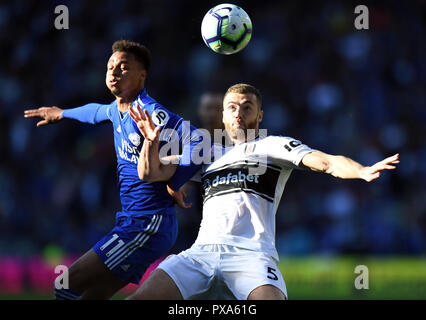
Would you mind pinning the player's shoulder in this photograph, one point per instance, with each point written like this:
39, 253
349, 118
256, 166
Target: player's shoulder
276, 142
111, 109
145, 101
160, 115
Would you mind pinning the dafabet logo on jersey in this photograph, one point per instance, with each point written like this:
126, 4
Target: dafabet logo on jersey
236, 177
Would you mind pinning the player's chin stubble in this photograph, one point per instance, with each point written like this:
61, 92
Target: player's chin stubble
115, 91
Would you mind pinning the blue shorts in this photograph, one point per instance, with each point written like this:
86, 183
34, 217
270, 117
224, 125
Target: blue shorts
136, 242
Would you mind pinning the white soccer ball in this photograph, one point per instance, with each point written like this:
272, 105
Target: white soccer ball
226, 29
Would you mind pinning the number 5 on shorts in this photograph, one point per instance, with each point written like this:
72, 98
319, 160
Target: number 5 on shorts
271, 274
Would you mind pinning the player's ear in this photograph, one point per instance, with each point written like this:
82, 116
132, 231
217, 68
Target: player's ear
143, 74
260, 116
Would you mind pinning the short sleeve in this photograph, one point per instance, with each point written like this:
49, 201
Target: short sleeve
287, 151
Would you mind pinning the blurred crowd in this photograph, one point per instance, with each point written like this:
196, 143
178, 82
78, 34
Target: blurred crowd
360, 93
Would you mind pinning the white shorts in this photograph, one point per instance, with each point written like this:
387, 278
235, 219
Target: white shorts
221, 272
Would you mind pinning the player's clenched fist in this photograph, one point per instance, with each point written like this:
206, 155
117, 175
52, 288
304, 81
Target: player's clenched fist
48, 114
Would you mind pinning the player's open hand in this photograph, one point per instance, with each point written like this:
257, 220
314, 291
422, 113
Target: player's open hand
145, 124
179, 197
373, 172
48, 114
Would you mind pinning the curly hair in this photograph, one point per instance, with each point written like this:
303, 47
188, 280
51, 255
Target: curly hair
140, 52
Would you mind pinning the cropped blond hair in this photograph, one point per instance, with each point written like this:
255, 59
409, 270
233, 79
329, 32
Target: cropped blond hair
244, 88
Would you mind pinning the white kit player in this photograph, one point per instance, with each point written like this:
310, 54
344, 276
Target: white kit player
234, 255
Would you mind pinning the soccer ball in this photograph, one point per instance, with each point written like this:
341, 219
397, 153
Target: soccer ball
226, 29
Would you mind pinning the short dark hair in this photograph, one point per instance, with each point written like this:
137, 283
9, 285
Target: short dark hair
244, 88
140, 52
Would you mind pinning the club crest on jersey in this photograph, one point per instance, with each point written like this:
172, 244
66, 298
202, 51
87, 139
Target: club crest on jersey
249, 149
206, 186
160, 117
135, 139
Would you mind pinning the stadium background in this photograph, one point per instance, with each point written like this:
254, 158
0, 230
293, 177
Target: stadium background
343, 91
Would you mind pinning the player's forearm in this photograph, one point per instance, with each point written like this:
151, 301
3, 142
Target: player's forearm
343, 167
152, 168
149, 164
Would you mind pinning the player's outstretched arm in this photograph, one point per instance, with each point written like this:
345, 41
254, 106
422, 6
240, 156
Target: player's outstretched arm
92, 113
48, 114
150, 167
346, 168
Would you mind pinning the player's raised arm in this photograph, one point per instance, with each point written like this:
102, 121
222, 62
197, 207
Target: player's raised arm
346, 168
48, 114
150, 167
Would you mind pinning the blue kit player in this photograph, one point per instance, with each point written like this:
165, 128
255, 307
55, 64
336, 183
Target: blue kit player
146, 227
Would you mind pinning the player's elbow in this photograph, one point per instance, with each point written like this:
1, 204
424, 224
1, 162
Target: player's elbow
333, 166
324, 165
149, 175
145, 176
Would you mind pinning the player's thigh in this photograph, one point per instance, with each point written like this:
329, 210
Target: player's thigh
103, 289
244, 271
266, 292
158, 286
90, 271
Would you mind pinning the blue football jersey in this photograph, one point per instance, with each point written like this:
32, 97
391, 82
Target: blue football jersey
137, 196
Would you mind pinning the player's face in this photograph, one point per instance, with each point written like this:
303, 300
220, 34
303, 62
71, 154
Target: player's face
125, 75
241, 112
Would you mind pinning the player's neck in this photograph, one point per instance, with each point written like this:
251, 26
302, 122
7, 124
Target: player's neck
125, 101
123, 106
243, 138
236, 141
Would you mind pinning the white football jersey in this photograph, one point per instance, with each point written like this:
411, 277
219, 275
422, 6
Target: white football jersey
242, 189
